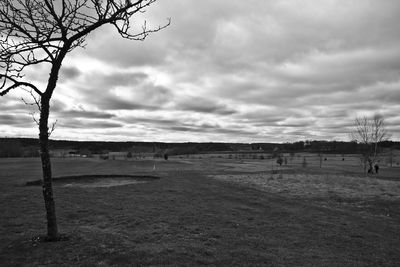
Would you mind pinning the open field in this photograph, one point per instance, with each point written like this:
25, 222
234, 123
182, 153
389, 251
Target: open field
213, 211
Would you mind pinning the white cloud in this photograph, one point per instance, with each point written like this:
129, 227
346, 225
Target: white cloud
253, 70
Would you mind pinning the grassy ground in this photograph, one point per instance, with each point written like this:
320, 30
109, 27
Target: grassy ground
203, 211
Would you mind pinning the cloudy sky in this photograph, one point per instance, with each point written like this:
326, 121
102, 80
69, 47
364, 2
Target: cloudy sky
230, 71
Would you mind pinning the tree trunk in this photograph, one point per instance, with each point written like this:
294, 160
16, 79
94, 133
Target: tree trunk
52, 229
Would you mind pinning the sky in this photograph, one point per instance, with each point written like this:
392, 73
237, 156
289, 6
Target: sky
227, 71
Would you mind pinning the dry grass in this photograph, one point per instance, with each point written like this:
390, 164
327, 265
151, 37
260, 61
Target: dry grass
319, 185
187, 218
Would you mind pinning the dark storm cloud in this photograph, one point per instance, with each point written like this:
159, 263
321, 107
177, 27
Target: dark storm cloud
137, 93
183, 128
16, 120
237, 131
183, 124
68, 73
85, 114
151, 121
160, 122
112, 102
87, 124
121, 79
15, 106
296, 124
57, 105
214, 130
203, 105
109, 80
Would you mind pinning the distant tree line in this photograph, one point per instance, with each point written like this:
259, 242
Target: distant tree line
28, 147
15, 148
323, 146
10, 149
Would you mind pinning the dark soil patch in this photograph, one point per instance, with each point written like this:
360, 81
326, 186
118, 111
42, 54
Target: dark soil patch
44, 238
97, 180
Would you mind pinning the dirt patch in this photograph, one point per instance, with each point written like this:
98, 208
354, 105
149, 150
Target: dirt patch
106, 182
93, 181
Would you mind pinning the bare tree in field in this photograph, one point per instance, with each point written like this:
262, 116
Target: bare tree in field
34, 32
369, 133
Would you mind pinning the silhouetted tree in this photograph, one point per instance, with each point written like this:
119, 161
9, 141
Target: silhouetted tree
36, 32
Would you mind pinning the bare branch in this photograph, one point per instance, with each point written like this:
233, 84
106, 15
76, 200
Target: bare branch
33, 32
33, 118
36, 100
7, 78
16, 84
53, 127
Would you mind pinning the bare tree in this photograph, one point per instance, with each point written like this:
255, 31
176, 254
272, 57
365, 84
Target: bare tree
369, 133
36, 32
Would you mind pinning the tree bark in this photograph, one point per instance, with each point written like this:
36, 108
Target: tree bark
52, 229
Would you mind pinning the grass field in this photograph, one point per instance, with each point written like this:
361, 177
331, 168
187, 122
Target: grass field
208, 211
